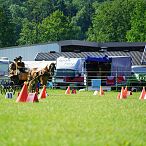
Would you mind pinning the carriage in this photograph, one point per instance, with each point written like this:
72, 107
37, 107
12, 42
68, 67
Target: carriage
19, 72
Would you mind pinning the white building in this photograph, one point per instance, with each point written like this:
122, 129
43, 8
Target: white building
28, 52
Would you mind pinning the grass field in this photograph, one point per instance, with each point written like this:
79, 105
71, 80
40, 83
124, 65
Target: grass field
74, 120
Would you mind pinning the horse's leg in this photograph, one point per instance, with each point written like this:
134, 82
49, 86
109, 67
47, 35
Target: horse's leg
43, 79
32, 84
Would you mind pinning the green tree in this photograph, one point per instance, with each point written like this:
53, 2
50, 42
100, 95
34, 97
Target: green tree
18, 14
79, 4
34, 21
111, 21
71, 9
7, 32
28, 33
137, 33
83, 19
38, 10
57, 27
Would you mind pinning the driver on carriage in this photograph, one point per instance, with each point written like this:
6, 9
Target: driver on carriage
20, 64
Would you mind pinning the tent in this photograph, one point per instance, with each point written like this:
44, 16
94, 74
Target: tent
98, 59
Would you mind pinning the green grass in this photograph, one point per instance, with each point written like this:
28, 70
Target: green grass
74, 120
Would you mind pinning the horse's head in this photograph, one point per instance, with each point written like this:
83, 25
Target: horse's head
47, 73
52, 68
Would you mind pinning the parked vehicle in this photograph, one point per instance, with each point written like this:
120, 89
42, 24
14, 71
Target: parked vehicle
69, 71
4, 68
138, 77
6, 85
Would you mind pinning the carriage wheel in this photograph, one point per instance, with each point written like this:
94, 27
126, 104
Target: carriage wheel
3, 90
12, 89
0, 89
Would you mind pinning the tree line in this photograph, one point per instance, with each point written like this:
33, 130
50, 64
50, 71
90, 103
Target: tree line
30, 22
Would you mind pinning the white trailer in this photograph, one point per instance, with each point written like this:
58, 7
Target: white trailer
69, 71
4, 68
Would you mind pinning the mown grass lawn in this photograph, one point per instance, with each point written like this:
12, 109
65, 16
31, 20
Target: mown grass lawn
74, 120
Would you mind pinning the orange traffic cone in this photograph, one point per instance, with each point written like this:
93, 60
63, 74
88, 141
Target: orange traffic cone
22, 97
43, 93
143, 93
32, 97
101, 92
122, 93
95, 92
125, 94
145, 96
67, 90
74, 91
37, 90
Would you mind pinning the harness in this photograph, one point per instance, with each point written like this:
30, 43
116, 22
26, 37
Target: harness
44, 73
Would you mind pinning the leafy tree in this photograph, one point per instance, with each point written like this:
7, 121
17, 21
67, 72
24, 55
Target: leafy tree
71, 9
18, 14
111, 21
31, 21
57, 27
83, 19
53, 28
79, 4
7, 33
65, 6
137, 33
28, 33
36, 11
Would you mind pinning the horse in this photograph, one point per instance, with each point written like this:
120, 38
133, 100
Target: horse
41, 76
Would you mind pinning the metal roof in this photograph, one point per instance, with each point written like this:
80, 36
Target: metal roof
85, 43
101, 45
135, 55
123, 44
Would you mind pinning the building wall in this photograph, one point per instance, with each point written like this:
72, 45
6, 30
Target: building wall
28, 52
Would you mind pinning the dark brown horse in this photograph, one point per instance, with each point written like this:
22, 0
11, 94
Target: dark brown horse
41, 76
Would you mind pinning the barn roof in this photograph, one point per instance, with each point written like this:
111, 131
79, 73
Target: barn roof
98, 44
85, 44
135, 55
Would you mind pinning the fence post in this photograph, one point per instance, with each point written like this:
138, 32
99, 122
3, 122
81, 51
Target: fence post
116, 81
86, 80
